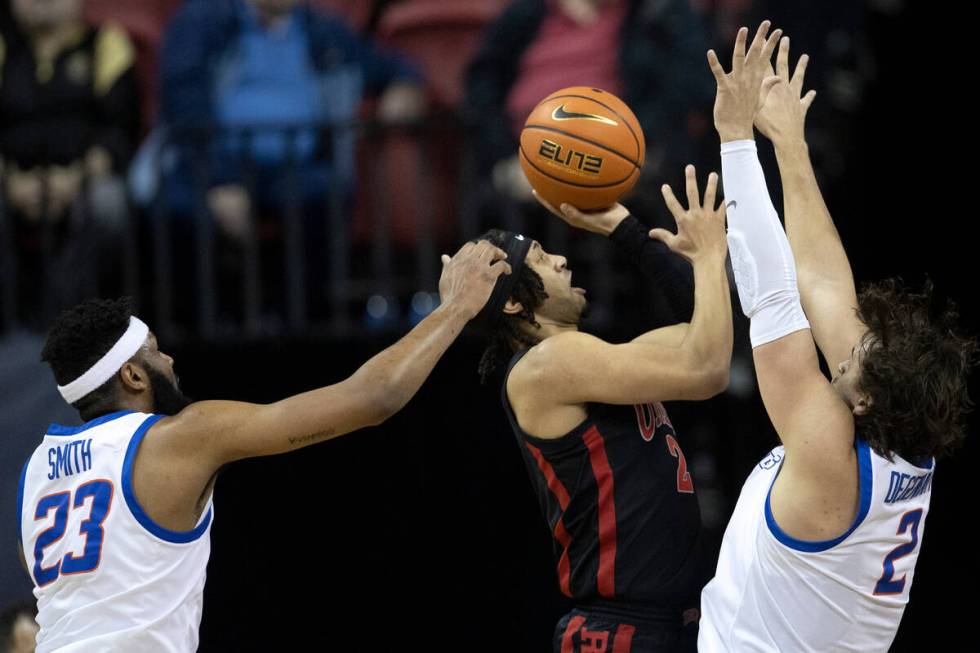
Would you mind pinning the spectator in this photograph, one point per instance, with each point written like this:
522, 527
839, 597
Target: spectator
648, 52
18, 628
69, 116
238, 63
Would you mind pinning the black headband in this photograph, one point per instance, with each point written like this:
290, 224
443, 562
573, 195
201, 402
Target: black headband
516, 246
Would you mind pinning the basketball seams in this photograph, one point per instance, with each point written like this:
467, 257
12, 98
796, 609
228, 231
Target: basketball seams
586, 140
606, 106
572, 183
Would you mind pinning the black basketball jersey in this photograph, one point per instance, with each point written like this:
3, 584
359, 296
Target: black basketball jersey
620, 503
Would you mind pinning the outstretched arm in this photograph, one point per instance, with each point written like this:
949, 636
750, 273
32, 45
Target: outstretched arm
210, 433
824, 274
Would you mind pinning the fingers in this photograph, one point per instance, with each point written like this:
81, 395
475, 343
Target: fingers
710, 190
807, 101
691, 186
445, 260
782, 59
716, 68
797, 81
738, 56
467, 246
570, 212
499, 268
760, 35
771, 44
673, 205
493, 254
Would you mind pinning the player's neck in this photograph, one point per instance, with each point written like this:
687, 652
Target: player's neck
551, 328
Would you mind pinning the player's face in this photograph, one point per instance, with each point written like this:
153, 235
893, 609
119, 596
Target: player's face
158, 360
167, 396
848, 374
565, 302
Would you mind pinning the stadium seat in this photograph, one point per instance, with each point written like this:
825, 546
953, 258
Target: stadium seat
441, 37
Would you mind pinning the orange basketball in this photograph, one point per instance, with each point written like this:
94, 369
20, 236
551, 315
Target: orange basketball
582, 146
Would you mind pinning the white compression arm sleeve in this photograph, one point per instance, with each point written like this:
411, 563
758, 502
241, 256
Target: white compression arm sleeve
765, 272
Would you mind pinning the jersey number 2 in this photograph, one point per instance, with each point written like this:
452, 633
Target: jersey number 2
887, 584
684, 483
100, 491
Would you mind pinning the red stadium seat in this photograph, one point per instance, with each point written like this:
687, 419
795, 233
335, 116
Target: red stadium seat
441, 37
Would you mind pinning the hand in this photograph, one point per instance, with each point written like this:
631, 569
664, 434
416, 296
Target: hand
230, 205
401, 103
738, 97
783, 113
468, 277
602, 222
701, 228
508, 177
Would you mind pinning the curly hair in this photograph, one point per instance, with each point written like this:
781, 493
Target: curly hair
79, 337
529, 292
915, 372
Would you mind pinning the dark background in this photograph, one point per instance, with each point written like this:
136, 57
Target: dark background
423, 533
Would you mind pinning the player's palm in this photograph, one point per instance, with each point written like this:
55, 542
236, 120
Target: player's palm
700, 227
783, 112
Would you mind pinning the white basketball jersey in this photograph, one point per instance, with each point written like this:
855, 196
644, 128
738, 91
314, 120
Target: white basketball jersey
106, 577
772, 592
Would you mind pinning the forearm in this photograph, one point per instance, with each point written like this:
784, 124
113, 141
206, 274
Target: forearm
762, 260
668, 273
817, 248
709, 336
401, 369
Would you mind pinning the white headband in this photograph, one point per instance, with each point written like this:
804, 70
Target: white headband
127, 345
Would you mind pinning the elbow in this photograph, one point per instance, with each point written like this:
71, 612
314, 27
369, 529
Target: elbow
384, 403
711, 381
717, 379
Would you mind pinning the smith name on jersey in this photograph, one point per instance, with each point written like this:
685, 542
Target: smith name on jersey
106, 576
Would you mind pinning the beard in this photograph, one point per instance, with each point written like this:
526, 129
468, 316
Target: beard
167, 397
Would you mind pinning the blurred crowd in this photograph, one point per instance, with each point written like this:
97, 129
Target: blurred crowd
241, 124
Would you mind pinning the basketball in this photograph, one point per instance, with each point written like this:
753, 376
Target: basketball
582, 146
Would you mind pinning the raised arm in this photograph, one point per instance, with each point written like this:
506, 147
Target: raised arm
812, 421
665, 364
823, 272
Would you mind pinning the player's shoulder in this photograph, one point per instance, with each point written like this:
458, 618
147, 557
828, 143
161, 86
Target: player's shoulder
554, 355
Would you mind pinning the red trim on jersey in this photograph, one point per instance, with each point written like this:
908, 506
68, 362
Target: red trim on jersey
554, 483
607, 511
564, 539
624, 639
574, 625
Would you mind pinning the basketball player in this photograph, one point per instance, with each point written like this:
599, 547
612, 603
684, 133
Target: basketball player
602, 454
820, 552
115, 514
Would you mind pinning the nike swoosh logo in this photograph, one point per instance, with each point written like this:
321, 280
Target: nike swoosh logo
731, 205
561, 114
